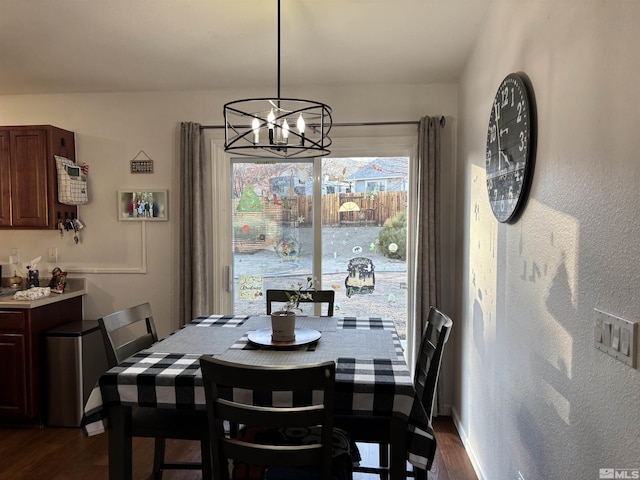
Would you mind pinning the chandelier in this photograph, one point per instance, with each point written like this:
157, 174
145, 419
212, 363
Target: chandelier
277, 127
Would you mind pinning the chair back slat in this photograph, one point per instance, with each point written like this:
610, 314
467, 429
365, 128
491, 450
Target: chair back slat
270, 416
134, 346
274, 455
120, 332
316, 296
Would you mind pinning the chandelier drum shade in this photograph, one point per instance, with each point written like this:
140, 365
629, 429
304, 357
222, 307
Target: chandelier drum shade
277, 127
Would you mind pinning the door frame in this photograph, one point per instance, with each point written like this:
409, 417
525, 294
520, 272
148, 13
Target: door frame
222, 258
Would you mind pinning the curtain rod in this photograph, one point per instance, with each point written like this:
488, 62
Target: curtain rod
357, 124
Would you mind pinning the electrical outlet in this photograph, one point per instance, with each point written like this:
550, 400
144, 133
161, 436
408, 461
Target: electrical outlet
616, 337
14, 257
52, 254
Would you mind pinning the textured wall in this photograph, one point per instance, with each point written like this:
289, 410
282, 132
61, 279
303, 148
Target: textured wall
534, 396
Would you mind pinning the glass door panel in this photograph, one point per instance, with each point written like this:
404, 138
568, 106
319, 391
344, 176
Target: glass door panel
272, 229
364, 236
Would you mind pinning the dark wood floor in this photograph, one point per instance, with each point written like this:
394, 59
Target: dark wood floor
64, 454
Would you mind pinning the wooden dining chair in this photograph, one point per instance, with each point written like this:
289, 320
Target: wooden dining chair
316, 296
274, 442
125, 333
425, 380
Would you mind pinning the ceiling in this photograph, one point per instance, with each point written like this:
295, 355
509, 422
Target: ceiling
88, 46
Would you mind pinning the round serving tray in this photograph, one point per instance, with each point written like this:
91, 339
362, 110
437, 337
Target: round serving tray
304, 336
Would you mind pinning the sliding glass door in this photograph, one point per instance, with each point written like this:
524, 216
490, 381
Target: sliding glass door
341, 221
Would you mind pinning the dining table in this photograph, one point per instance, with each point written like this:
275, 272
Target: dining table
372, 378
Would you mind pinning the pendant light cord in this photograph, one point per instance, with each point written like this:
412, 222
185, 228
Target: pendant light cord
278, 53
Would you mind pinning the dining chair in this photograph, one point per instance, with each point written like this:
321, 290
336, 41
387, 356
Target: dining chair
316, 296
125, 333
425, 380
294, 441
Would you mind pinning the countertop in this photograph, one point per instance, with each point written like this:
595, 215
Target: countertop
75, 288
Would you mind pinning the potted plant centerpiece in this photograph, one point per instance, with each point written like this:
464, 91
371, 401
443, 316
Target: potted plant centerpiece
283, 322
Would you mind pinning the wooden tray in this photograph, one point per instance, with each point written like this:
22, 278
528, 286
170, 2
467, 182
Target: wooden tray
304, 336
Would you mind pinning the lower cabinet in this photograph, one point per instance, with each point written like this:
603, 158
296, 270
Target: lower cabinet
13, 394
22, 356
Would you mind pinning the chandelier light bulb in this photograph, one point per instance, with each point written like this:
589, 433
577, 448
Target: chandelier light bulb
300, 124
285, 130
255, 125
270, 119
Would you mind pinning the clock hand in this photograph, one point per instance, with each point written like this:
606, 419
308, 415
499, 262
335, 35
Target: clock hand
497, 115
506, 158
500, 149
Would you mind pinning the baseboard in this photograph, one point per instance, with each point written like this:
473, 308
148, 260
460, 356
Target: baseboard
443, 410
465, 441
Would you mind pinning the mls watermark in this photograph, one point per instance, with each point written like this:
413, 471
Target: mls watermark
606, 473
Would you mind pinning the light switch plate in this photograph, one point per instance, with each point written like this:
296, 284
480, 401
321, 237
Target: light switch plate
616, 337
14, 256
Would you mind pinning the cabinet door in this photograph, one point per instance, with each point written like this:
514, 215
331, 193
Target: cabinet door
13, 394
29, 178
5, 180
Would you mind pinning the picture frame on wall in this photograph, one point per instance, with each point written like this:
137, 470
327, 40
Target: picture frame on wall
143, 205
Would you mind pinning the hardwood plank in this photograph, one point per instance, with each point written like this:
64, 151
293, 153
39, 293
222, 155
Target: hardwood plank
452, 452
65, 454
451, 461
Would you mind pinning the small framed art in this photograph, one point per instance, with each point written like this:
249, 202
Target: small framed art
141, 163
141, 166
143, 205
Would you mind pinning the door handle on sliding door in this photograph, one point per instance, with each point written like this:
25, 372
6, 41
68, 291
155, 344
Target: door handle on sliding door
228, 278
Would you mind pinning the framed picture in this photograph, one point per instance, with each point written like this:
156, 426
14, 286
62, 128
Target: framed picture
143, 205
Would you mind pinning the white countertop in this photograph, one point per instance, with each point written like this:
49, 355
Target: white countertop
75, 288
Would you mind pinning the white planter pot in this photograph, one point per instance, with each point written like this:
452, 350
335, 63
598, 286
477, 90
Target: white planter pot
283, 325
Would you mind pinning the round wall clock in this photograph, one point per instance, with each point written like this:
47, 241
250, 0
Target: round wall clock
511, 145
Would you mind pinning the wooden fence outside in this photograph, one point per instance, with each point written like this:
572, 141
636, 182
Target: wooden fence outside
368, 209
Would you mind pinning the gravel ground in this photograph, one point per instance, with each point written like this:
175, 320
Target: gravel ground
340, 244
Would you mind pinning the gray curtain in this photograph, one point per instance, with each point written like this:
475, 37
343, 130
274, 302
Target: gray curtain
195, 232
428, 225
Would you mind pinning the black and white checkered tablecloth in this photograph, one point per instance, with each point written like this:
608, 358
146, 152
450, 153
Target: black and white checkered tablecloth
219, 321
364, 386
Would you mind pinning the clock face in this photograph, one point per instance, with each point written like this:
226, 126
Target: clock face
510, 147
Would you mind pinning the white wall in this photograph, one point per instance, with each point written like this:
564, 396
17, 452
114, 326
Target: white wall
112, 128
534, 396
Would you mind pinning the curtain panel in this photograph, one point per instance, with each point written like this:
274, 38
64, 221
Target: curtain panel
195, 230
427, 271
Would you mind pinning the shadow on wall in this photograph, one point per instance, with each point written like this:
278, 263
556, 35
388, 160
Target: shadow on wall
478, 324
547, 421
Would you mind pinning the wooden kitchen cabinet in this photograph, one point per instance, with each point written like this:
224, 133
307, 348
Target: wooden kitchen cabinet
28, 176
13, 391
22, 357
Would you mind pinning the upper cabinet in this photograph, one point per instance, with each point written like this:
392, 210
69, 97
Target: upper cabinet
28, 177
